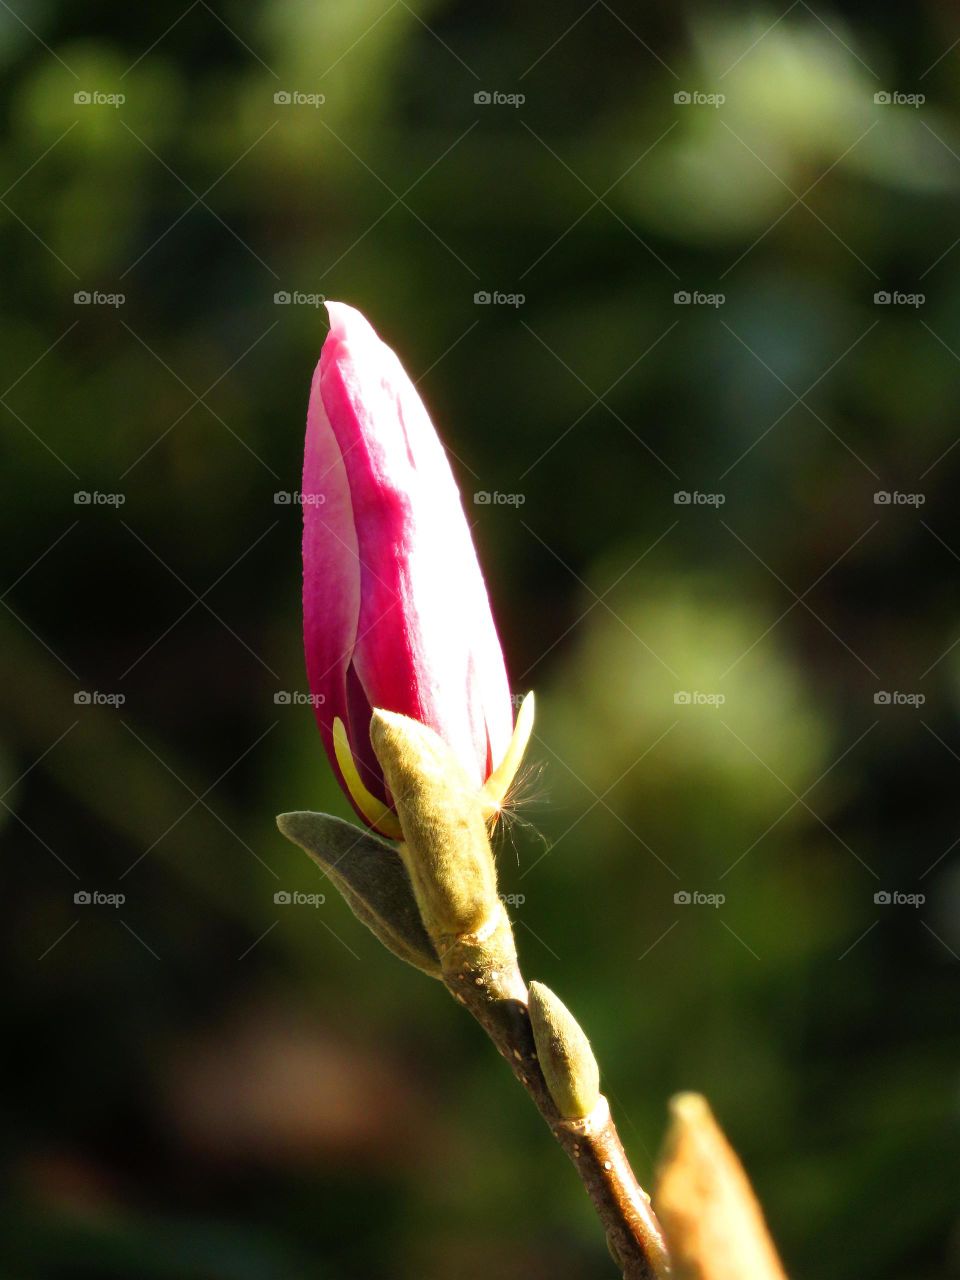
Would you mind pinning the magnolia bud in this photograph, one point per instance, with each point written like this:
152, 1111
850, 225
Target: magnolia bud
446, 848
566, 1059
711, 1219
395, 610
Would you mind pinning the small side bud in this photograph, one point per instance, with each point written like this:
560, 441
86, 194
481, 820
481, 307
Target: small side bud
446, 848
566, 1059
711, 1219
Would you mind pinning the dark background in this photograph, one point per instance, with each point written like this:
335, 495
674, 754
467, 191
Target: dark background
205, 1083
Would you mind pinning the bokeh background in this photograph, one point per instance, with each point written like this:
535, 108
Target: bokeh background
749, 698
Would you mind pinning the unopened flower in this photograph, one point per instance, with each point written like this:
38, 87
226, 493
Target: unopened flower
395, 609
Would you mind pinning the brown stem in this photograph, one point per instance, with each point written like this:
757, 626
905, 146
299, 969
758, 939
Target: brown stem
483, 975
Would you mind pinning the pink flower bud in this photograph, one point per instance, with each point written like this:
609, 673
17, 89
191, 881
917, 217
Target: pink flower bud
395, 610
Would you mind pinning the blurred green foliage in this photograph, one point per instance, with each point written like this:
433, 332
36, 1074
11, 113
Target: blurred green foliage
204, 1083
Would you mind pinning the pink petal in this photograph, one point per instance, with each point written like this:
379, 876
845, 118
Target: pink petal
395, 607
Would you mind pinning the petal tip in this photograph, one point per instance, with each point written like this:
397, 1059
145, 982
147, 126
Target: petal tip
346, 322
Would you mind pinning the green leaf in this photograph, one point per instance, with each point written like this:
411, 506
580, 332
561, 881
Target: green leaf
372, 878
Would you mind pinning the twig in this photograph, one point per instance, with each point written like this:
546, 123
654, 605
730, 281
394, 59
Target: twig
482, 973
432, 899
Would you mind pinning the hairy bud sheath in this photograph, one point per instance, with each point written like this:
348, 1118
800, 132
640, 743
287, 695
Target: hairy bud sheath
446, 848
